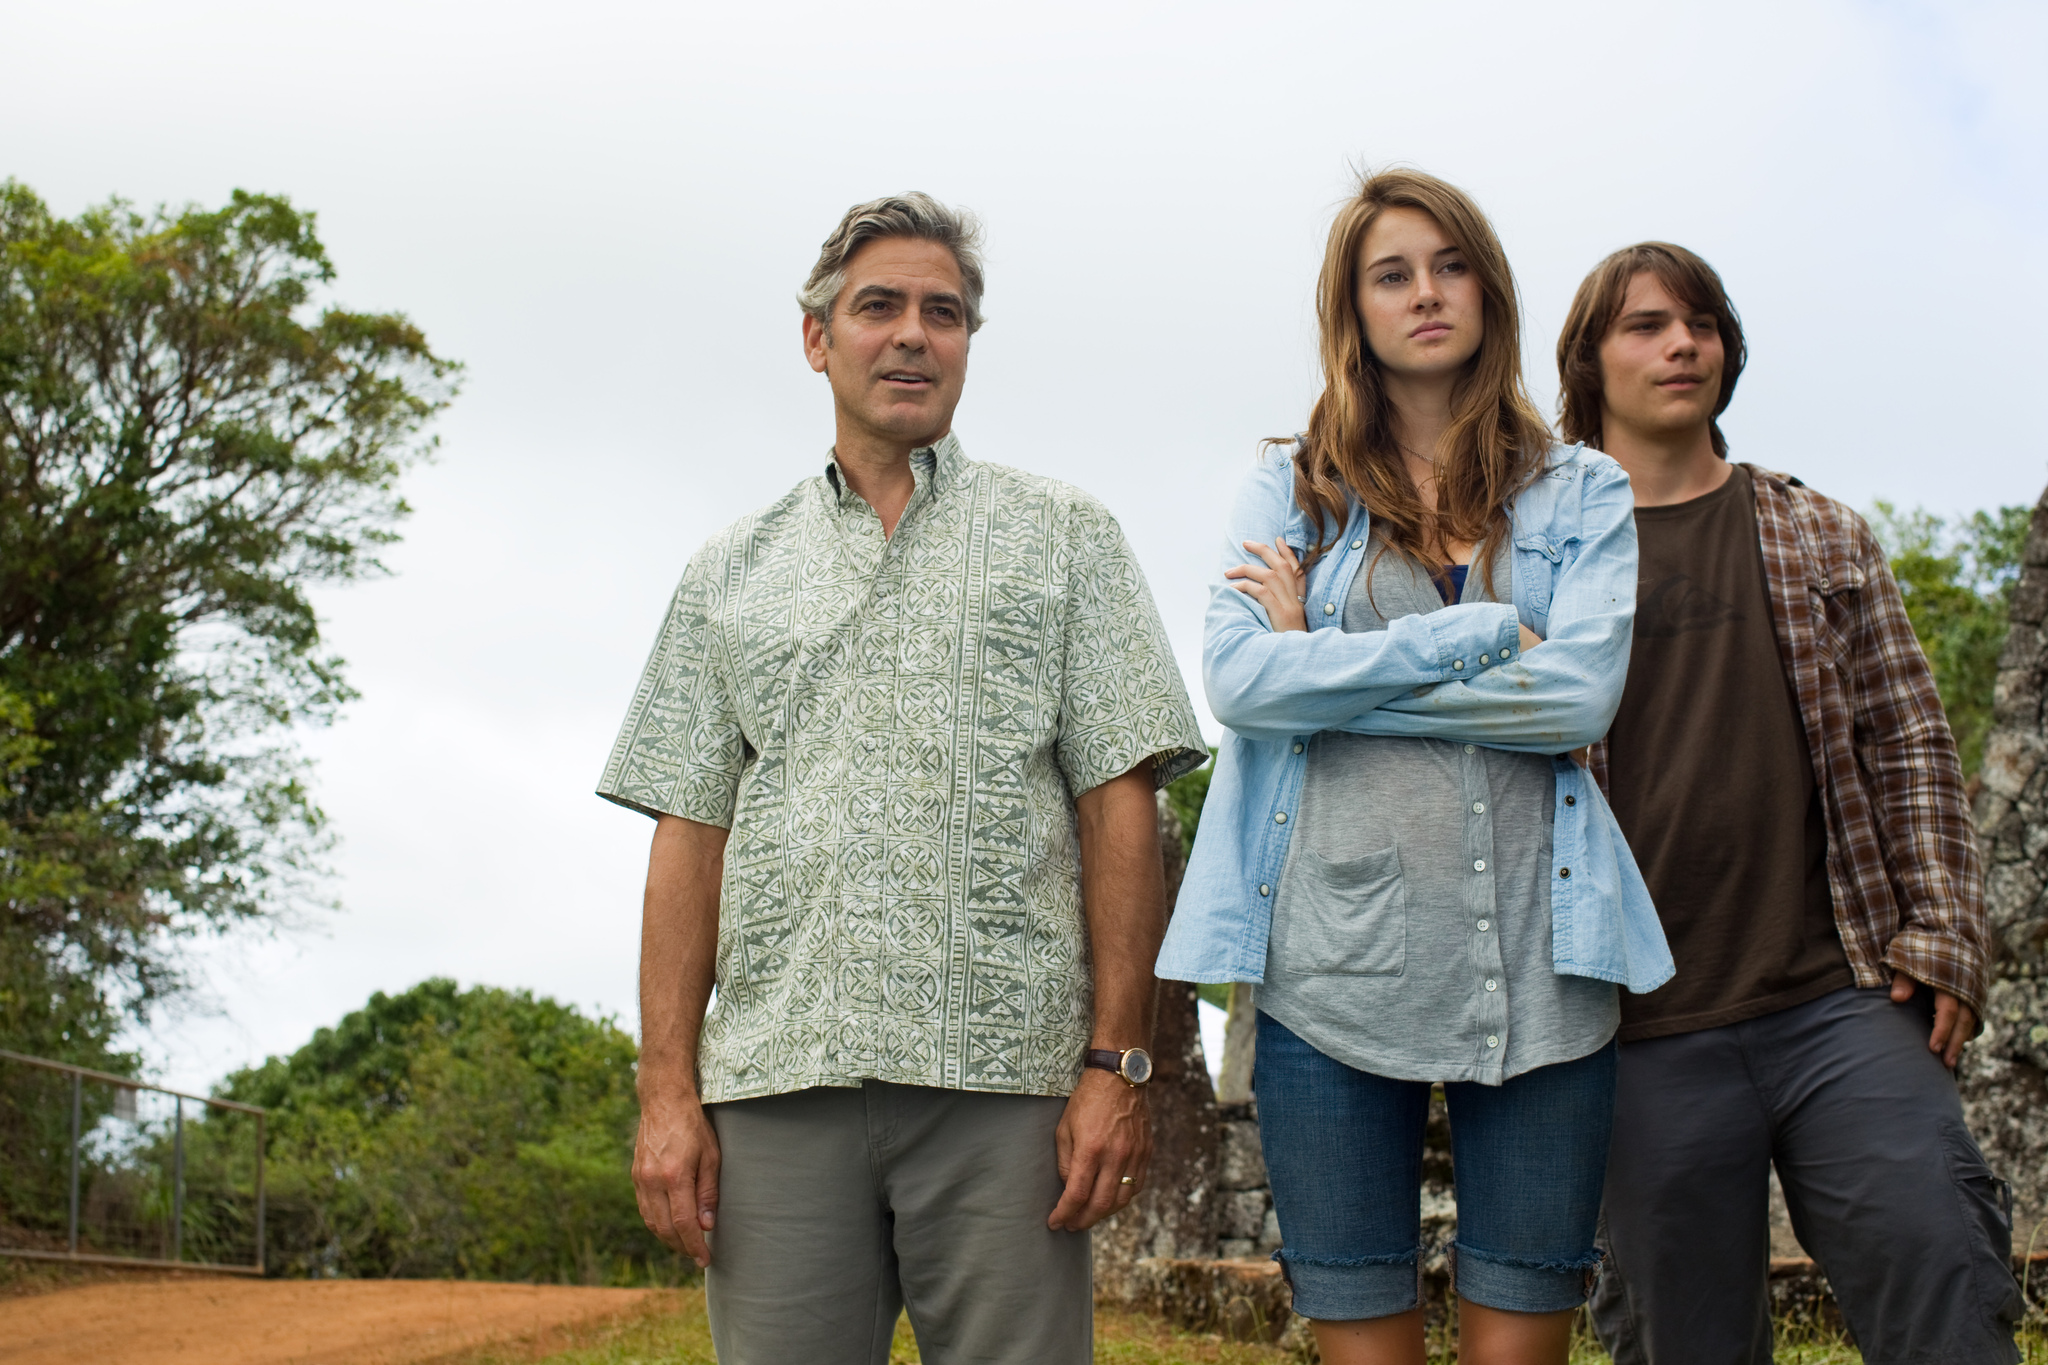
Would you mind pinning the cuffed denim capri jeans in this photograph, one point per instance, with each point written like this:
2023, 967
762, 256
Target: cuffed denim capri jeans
1344, 1152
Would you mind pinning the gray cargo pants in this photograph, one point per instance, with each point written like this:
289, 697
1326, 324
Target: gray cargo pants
840, 1207
1885, 1185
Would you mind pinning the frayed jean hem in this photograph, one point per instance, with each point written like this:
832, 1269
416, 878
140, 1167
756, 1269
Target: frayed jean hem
1519, 1284
1348, 1288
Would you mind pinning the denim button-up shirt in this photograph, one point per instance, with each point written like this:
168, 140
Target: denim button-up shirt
1456, 674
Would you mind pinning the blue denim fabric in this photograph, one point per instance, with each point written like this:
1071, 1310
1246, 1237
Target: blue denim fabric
1453, 674
1344, 1152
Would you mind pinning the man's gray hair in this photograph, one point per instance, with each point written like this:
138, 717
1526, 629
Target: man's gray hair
896, 215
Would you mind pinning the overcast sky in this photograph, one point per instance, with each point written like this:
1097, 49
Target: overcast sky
604, 210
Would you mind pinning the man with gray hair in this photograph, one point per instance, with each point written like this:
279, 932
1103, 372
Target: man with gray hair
900, 733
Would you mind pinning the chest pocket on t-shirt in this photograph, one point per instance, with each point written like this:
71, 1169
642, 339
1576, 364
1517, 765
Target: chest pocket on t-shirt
1343, 919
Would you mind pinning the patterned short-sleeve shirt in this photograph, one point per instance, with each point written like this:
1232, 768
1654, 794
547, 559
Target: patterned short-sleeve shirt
894, 730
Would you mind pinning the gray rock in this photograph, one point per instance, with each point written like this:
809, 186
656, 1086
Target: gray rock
2004, 1075
1243, 1165
1242, 1214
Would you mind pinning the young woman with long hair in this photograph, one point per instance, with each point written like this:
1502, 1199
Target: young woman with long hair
1424, 610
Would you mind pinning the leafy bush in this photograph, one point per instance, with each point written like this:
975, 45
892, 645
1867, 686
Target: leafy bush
480, 1134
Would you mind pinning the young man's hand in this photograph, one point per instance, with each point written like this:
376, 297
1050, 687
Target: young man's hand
1105, 1135
1954, 1022
675, 1176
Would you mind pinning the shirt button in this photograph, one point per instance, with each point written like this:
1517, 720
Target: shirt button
1265, 890
1564, 872
1485, 659
1297, 749
1329, 608
1492, 1041
1571, 800
1504, 653
1479, 808
1280, 817
1491, 984
1479, 865
1468, 748
1457, 664
1358, 545
1483, 925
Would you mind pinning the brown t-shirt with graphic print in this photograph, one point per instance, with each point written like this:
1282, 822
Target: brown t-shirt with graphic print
1710, 777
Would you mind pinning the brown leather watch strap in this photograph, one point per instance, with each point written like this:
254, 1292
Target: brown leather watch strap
1106, 1059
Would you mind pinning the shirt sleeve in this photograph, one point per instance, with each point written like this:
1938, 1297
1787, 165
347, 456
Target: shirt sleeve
1122, 699
1268, 685
1908, 755
1564, 693
681, 749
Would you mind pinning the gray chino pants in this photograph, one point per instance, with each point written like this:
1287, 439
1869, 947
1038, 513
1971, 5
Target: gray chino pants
839, 1207
1886, 1188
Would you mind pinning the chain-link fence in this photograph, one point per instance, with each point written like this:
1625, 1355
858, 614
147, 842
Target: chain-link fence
96, 1167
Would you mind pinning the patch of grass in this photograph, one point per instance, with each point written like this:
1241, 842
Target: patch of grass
672, 1330
21, 1277
1134, 1339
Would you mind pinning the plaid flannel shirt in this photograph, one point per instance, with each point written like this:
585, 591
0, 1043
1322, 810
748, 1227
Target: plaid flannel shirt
1902, 854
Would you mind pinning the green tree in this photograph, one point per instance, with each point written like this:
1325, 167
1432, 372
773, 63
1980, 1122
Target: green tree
479, 1134
1957, 578
191, 438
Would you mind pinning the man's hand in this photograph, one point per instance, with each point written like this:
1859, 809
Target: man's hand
1954, 1022
675, 1157
1106, 1132
675, 1176
1105, 1135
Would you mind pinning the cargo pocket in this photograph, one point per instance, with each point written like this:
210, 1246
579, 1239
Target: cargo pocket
1345, 919
1987, 1222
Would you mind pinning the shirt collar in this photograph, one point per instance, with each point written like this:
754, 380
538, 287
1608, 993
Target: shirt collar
933, 467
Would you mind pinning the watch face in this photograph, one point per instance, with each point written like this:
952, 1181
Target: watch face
1137, 1067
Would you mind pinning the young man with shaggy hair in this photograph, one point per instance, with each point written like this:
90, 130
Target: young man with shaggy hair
901, 733
1786, 778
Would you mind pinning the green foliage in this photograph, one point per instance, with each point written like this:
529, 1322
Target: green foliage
188, 443
472, 1134
1957, 578
1185, 795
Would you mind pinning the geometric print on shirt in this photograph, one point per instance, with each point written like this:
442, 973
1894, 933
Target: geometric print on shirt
894, 729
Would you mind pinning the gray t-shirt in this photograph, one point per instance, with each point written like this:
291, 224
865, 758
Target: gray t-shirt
1411, 933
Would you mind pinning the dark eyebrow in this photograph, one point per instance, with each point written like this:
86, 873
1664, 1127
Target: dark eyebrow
883, 291
1646, 315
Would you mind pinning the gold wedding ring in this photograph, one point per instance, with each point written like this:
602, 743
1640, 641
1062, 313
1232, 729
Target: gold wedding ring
1127, 1180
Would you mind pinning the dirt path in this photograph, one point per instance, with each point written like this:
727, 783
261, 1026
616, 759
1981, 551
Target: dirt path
287, 1322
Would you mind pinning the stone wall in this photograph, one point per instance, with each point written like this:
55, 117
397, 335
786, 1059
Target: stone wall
1245, 1223
2005, 1072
